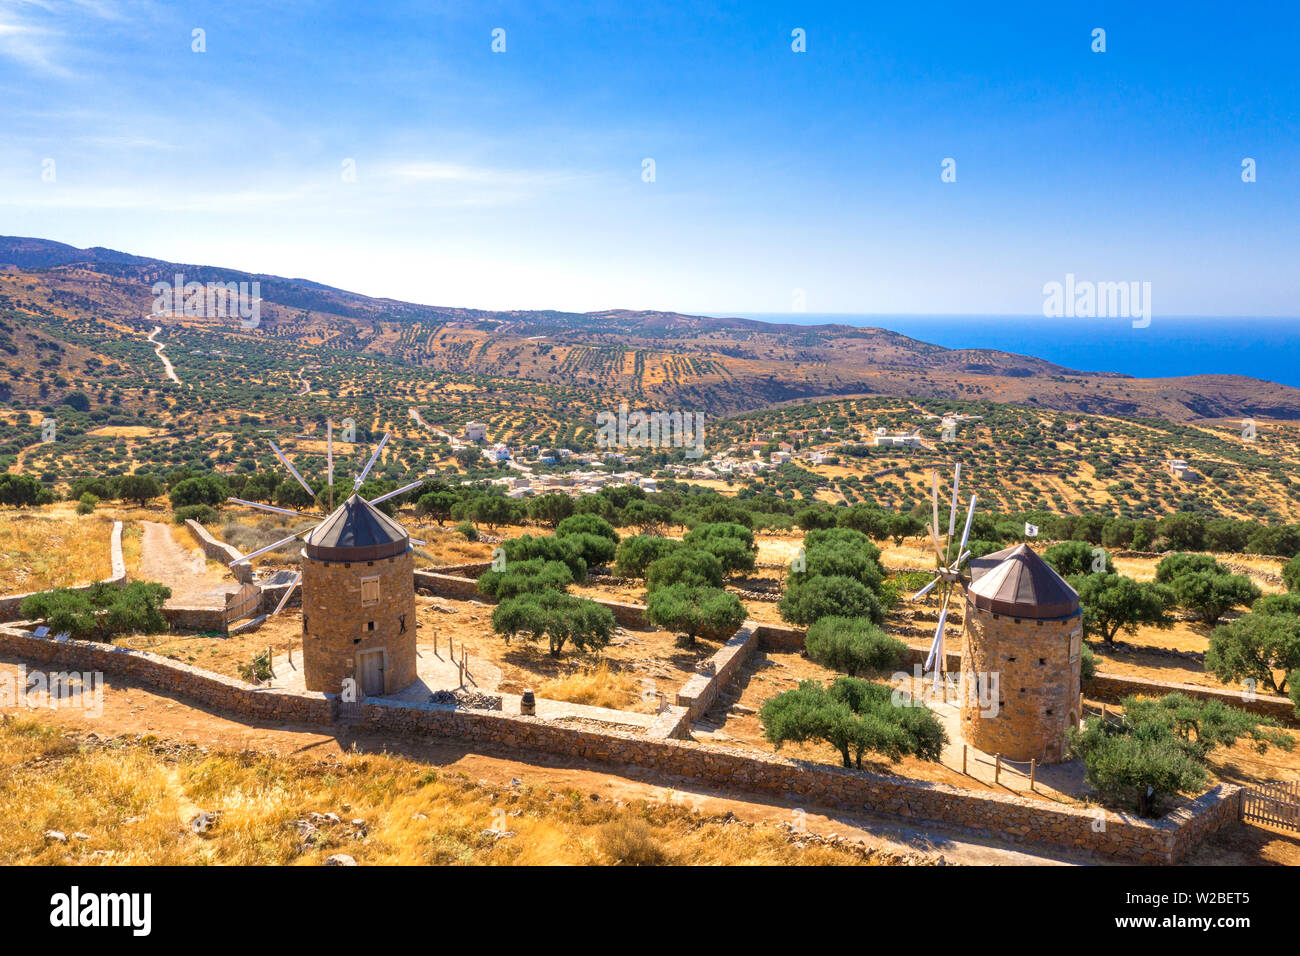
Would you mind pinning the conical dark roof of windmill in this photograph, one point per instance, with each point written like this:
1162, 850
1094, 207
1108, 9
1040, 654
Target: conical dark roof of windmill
357, 531
1018, 583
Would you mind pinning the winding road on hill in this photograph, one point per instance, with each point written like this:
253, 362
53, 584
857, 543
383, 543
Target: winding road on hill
158, 349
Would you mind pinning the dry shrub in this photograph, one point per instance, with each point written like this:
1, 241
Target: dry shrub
629, 841
599, 686
42, 551
134, 800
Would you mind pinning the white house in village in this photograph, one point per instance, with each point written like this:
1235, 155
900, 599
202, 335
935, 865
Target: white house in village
475, 431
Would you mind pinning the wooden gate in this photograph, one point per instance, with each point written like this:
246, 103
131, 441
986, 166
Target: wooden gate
1277, 804
245, 602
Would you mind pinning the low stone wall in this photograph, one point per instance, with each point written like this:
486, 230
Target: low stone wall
213, 549
11, 604
701, 690
448, 585
1167, 840
1115, 687
214, 690
195, 618
781, 637
471, 569
674, 722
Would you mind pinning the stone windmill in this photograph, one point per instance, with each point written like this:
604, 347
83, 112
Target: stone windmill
1023, 624
358, 588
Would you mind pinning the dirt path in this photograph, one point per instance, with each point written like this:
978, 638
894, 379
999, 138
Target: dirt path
129, 708
158, 348
187, 573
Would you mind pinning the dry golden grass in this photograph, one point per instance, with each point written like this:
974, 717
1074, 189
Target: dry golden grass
134, 800
50, 550
599, 686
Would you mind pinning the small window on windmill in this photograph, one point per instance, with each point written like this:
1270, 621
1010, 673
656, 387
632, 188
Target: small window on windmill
370, 625
370, 590
1042, 662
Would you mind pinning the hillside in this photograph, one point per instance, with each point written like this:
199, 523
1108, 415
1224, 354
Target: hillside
722, 365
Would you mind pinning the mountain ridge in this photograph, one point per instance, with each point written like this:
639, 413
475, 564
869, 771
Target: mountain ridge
726, 365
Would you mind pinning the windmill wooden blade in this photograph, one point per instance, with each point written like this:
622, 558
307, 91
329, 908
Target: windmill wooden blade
926, 590
270, 547
274, 509
329, 452
936, 649
399, 491
293, 471
952, 514
297, 578
934, 500
938, 551
965, 534
371, 463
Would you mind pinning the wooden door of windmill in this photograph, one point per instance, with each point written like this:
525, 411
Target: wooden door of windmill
371, 665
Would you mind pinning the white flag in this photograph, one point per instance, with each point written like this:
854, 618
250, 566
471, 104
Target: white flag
1031, 530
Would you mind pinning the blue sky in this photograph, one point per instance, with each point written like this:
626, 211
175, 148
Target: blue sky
514, 180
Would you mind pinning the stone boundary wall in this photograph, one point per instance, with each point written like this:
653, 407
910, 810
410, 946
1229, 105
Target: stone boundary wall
1019, 819
700, 691
674, 722
470, 569
11, 604
206, 687
213, 549
1116, 687
448, 585
195, 618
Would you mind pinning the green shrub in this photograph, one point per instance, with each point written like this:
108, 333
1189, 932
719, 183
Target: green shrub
525, 577
695, 611
853, 645
200, 513
855, 717
684, 566
827, 595
638, 552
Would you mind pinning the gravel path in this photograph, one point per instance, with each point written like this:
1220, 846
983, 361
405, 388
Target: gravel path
193, 581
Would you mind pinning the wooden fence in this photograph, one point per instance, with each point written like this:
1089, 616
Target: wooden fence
1277, 804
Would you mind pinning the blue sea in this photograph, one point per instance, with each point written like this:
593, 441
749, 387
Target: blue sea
1171, 345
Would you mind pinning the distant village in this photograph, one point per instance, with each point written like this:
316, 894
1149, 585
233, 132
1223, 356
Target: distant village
588, 472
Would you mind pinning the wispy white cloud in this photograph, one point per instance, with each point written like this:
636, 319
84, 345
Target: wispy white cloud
35, 34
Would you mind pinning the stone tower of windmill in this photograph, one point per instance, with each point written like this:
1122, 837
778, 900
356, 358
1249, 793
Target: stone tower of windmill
358, 602
1021, 623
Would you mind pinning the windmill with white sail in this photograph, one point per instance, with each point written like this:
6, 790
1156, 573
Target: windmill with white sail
950, 554
358, 580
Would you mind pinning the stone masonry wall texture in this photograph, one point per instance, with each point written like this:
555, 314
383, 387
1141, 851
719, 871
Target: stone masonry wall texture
338, 627
1167, 840
1029, 663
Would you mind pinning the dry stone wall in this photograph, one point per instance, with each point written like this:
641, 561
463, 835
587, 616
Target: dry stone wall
701, 690
213, 549
1168, 840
